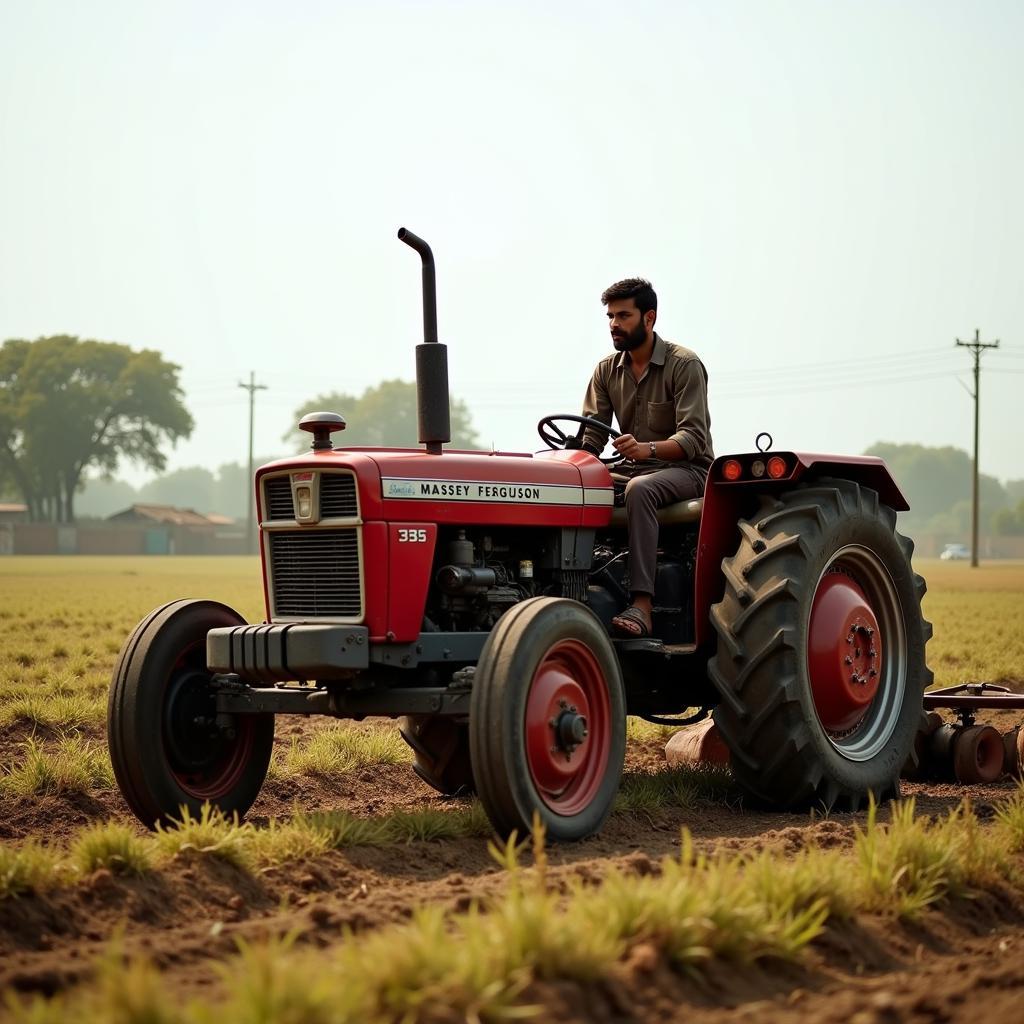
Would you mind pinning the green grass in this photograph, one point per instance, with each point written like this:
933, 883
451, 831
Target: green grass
340, 749
694, 909
112, 846
72, 765
344, 829
211, 834
976, 614
65, 618
29, 868
647, 793
427, 824
55, 710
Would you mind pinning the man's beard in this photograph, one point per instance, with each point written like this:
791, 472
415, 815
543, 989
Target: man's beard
628, 342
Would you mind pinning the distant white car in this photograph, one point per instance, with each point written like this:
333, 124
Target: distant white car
955, 553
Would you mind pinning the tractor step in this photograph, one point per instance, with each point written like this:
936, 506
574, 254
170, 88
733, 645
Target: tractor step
650, 645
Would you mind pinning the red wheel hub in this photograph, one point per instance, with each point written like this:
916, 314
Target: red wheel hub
206, 763
844, 652
568, 734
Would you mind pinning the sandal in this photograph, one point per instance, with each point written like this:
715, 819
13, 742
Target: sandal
631, 623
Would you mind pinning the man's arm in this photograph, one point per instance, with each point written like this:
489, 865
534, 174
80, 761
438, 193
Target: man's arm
596, 403
690, 388
641, 451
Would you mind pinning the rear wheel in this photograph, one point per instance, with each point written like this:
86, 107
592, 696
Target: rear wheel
821, 648
547, 724
166, 746
440, 745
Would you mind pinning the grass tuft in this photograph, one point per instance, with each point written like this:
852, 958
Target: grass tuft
74, 765
343, 829
914, 862
696, 908
58, 710
685, 786
283, 842
260, 988
29, 868
112, 846
212, 834
1010, 821
344, 749
423, 825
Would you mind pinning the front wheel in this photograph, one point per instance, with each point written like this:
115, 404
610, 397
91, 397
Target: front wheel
547, 723
167, 747
821, 648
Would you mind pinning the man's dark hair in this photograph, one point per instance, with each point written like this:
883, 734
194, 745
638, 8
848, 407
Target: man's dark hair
635, 288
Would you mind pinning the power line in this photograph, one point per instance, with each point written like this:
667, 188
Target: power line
812, 387
252, 387
803, 374
894, 359
746, 391
976, 348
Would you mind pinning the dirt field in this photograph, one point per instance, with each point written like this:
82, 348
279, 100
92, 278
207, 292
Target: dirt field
960, 958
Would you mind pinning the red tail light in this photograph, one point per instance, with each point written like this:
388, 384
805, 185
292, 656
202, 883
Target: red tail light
776, 467
732, 470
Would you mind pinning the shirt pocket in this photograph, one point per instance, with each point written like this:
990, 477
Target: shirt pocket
661, 417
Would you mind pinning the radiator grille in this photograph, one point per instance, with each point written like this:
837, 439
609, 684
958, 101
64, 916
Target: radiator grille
278, 492
338, 496
315, 573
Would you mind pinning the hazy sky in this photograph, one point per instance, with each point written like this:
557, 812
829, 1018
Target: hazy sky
825, 195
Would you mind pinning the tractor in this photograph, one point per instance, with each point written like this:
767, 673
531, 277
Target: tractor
469, 594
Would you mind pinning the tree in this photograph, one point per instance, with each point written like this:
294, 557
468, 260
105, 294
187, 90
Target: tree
383, 417
68, 404
191, 487
1008, 522
935, 481
99, 497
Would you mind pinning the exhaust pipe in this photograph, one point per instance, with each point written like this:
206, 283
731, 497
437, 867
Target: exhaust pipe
432, 404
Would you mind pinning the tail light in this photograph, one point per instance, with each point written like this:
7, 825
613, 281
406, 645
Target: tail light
776, 467
732, 470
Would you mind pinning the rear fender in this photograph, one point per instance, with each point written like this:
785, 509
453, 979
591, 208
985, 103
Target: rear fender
724, 501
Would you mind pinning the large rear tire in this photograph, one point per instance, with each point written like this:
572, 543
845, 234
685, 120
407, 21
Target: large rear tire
547, 724
165, 745
440, 745
821, 649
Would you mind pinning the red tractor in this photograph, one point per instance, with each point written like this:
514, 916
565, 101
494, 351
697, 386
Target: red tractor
470, 594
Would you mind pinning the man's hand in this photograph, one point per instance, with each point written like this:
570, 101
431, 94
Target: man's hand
629, 447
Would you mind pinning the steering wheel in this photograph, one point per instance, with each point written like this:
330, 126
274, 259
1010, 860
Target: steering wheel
554, 437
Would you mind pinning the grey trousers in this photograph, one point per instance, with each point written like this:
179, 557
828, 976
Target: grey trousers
648, 489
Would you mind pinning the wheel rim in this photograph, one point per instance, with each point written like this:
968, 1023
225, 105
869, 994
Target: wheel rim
568, 727
857, 653
206, 762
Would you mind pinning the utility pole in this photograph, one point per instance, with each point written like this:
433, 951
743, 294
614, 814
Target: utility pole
252, 387
976, 347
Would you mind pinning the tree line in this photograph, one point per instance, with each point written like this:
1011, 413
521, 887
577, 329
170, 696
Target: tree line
937, 483
73, 410
68, 405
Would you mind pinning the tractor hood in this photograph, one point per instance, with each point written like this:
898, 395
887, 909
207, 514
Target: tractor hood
550, 488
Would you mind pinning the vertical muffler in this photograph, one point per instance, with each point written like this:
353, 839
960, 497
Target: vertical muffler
432, 406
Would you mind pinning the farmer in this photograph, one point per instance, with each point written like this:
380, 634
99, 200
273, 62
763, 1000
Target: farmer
658, 393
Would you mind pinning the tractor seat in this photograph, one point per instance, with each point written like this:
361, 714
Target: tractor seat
670, 515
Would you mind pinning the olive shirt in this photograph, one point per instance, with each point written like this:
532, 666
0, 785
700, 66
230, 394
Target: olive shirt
669, 402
